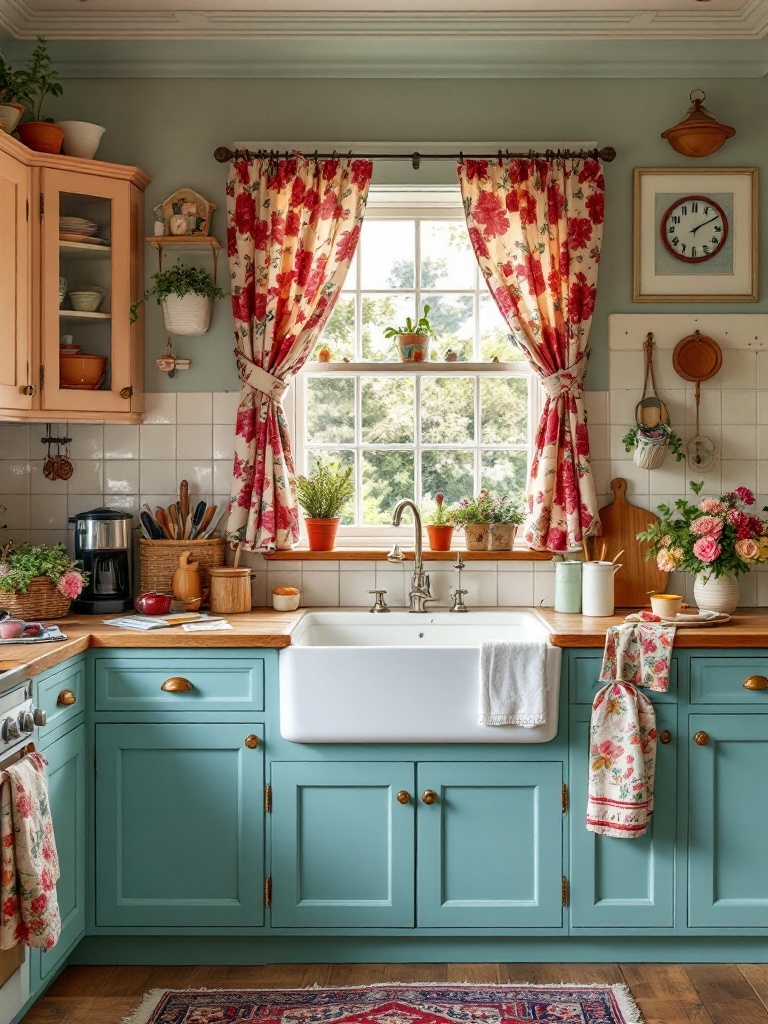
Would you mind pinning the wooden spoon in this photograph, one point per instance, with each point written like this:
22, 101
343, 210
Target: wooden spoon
184, 500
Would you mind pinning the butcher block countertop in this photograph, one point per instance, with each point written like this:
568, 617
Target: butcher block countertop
266, 628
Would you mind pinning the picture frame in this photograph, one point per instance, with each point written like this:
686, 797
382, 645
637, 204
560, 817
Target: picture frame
671, 262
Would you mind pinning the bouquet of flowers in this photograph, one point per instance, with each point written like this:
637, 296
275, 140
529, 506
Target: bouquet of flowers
716, 537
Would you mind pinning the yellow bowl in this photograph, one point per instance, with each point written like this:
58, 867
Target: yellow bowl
666, 605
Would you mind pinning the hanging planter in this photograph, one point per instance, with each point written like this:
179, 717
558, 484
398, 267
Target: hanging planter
651, 435
187, 314
186, 295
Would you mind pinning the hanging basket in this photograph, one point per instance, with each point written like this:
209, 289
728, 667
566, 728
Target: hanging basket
190, 314
650, 452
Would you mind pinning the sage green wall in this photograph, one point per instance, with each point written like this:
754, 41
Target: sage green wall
170, 127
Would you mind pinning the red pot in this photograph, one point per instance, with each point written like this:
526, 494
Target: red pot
322, 533
42, 136
440, 536
152, 603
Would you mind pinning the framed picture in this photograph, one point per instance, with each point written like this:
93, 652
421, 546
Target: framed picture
695, 234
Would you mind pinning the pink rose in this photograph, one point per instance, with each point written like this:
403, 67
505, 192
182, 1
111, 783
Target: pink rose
706, 549
747, 549
707, 526
665, 561
713, 506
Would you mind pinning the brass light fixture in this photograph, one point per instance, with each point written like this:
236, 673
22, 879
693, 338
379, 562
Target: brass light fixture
699, 133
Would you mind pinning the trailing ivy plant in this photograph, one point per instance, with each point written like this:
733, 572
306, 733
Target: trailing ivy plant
179, 280
325, 492
675, 441
37, 78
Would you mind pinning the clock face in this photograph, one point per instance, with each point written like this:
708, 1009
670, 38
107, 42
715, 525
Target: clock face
694, 229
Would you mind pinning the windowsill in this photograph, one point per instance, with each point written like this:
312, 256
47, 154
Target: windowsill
380, 555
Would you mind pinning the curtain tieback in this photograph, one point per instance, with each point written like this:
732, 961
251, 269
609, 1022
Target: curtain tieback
259, 379
569, 381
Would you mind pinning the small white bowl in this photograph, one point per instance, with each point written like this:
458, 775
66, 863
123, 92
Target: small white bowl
667, 606
81, 138
86, 302
285, 602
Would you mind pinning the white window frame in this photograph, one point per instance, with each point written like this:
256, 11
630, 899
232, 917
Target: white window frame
395, 203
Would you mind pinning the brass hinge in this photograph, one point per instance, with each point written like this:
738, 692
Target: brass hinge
268, 892
42, 377
566, 891
268, 799
565, 797
42, 205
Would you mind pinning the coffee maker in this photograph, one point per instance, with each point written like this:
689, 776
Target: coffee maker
103, 545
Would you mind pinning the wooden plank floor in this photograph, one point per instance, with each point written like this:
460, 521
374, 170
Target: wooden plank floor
666, 993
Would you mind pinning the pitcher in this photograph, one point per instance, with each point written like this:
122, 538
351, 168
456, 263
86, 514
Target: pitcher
597, 592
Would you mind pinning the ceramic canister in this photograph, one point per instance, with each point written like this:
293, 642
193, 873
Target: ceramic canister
597, 594
568, 587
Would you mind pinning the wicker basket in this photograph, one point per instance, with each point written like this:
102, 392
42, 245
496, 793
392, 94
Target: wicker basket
159, 560
41, 601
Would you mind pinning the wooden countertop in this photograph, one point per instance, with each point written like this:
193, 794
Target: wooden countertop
748, 628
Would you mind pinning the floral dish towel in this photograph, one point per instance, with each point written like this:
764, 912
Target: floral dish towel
638, 653
622, 762
29, 908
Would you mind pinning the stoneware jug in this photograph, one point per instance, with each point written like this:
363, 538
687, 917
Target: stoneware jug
597, 588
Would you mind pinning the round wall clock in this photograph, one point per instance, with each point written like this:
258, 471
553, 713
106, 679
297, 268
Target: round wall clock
694, 229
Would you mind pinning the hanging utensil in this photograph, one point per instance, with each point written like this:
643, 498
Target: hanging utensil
49, 463
64, 465
649, 412
698, 358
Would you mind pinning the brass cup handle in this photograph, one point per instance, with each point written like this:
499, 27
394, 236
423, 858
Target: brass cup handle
429, 796
665, 736
702, 738
403, 797
126, 393
66, 698
756, 683
176, 684
251, 741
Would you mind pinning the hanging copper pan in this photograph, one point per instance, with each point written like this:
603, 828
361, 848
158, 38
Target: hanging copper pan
697, 358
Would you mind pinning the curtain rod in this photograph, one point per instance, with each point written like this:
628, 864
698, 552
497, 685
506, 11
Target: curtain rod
607, 154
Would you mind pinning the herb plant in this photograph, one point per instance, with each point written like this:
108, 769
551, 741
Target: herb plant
324, 493
21, 566
473, 511
507, 509
421, 326
675, 444
37, 78
179, 280
437, 513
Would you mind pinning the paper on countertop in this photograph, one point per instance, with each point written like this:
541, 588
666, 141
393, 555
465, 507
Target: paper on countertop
206, 626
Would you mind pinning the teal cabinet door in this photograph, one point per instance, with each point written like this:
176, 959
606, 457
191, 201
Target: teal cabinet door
67, 792
179, 825
490, 848
622, 883
728, 821
342, 844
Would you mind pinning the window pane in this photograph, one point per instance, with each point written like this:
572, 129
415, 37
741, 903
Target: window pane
447, 260
447, 410
387, 410
451, 473
388, 254
503, 410
379, 313
453, 320
330, 410
350, 281
345, 458
339, 332
504, 472
387, 477
495, 339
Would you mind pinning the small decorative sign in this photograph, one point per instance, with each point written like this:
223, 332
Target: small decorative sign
185, 212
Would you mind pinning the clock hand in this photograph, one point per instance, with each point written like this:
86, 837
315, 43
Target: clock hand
711, 219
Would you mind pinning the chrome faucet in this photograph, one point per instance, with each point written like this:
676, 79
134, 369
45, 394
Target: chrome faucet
419, 593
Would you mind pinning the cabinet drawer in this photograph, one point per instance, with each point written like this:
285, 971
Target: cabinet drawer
220, 682
720, 680
585, 675
61, 694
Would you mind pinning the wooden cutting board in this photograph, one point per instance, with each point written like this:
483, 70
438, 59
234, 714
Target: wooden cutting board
620, 524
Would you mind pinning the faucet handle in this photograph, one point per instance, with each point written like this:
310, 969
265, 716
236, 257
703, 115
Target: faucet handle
395, 555
380, 605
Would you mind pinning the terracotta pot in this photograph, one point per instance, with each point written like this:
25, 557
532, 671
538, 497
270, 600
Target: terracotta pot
322, 533
501, 536
41, 136
476, 536
413, 348
440, 536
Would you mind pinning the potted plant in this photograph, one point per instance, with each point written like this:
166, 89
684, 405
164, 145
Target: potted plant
413, 338
713, 540
438, 518
10, 88
474, 515
186, 295
650, 445
506, 515
39, 582
323, 494
36, 79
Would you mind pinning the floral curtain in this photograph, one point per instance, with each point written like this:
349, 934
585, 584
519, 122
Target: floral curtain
293, 227
536, 227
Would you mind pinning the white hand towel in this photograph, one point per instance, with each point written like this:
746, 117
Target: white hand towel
513, 683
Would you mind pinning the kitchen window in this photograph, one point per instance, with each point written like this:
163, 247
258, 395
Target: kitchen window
411, 430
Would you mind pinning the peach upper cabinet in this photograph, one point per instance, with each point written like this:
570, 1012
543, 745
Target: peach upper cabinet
77, 261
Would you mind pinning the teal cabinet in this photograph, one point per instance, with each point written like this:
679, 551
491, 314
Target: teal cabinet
728, 820
622, 883
66, 758
179, 825
342, 844
490, 845
60, 693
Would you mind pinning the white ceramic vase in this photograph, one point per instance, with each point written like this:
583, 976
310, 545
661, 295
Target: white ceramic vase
719, 594
190, 314
81, 138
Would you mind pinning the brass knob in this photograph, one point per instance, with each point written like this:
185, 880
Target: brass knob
429, 796
702, 738
27, 389
665, 736
66, 698
756, 683
126, 392
403, 797
176, 684
251, 741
